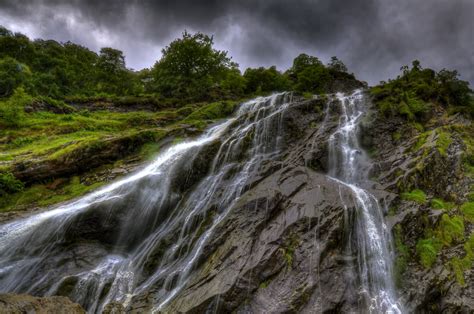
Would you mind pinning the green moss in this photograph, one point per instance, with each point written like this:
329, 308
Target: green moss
213, 111
41, 195
468, 211
418, 126
264, 284
456, 265
421, 141
450, 229
442, 142
402, 257
415, 195
438, 203
396, 136
427, 250
460, 265
289, 249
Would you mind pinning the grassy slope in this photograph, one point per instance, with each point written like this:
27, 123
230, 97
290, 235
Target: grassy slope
48, 136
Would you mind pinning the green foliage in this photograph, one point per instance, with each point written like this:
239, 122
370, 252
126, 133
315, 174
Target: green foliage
427, 250
190, 66
413, 94
337, 65
262, 80
309, 74
450, 229
438, 203
403, 255
113, 76
416, 195
12, 110
49, 68
9, 184
210, 112
460, 265
468, 210
13, 74
443, 141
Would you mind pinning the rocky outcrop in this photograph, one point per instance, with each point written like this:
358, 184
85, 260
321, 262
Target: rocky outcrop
21, 303
282, 247
406, 159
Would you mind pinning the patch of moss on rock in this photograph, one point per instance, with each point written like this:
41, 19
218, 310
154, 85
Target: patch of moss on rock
415, 195
468, 211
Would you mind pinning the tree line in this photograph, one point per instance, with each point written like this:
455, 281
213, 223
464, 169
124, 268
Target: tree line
190, 69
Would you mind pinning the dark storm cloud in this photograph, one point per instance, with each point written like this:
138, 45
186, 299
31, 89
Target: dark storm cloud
373, 37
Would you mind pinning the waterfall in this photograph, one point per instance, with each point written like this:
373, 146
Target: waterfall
145, 235
368, 237
157, 221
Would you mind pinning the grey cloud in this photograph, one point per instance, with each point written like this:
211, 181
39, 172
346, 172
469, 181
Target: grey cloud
373, 37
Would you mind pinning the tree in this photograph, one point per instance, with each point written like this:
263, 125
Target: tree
12, 75
190, 66
265, 80
111, 61
113, 76
309, 74
337, 65
12, 110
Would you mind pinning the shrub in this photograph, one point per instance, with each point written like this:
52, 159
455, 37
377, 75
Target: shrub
9, 184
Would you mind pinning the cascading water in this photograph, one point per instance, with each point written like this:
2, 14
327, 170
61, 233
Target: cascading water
148, 231
368, 237
145, 235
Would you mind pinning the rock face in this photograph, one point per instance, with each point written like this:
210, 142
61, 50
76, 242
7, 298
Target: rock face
282, 246
416, 160
20, 303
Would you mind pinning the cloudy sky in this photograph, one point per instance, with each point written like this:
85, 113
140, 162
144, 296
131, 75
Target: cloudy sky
373, 37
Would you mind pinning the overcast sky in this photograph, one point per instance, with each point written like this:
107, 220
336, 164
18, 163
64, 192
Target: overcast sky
373, 37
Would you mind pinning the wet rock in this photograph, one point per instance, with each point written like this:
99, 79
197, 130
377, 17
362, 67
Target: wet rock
22, 303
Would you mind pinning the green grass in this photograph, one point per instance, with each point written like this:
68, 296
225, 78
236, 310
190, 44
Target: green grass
421, 141
47, 136
402, 257
415, 195
442, 142
468, 211
438, 203
460, 265
427, 250
451, 229
448, 231
41, 195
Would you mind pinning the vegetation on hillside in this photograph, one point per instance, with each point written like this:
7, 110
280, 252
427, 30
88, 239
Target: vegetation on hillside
416, 92
62, 100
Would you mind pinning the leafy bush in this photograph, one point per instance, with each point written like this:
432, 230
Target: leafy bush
9, 184
413, 94
265, 80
